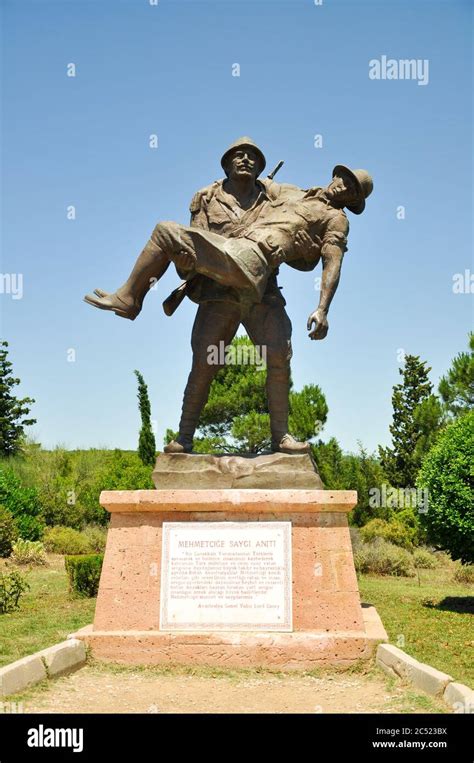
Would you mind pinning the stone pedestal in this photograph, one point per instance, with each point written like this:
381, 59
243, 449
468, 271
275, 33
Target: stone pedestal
329, 624
208, 472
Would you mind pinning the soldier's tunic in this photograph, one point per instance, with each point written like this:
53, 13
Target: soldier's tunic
264, 237
214, 210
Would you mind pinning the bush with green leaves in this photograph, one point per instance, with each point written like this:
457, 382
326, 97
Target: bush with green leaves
96, 537
66, 540
84, 573
23, 503
92, 472
355, 471
8, 532
68, 483
28, 552
382, 558
394, 532
424, 559
12, 586
464, 573
448, 474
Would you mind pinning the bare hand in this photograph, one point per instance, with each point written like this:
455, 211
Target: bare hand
319, 318
276, 257
184, 258
307, 247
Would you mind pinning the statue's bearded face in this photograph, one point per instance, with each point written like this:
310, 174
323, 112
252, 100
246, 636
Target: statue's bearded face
243, 162
342, 190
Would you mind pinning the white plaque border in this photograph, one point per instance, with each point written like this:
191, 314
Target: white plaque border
287, 624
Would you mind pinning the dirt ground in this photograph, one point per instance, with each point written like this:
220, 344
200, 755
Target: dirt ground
99, 689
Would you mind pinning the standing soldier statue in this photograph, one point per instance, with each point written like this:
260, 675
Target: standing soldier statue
242, 229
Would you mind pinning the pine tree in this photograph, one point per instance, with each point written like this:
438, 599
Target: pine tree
237, 409
416, 422
12, 410
146, 441
235, 418
457, 387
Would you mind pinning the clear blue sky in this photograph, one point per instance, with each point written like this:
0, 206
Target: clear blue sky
167, 69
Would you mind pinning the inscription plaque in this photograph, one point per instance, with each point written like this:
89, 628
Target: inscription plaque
226, 576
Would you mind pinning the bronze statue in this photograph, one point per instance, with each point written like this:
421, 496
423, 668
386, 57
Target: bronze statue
242, 229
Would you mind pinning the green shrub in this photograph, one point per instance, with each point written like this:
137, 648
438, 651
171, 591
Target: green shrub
96, 537
28, 552
384, 558
424, 559
355, 471
410, 519
393, 532
464, 573
448, 474
68, 483
94, 471
12, 586
8, 532
30, 528
65, 540
23, 503
84, 573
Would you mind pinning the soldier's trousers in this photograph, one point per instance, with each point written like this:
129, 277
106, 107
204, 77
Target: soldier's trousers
269, 327
235, 262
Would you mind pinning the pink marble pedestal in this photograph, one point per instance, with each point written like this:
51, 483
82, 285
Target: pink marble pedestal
330, 625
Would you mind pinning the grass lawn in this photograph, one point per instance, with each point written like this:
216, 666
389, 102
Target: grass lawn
430, 619
47, 613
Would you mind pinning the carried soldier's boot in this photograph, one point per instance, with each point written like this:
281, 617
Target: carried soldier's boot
127, 301
278, 388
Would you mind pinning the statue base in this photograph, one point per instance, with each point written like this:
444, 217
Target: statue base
270, 471
329, 624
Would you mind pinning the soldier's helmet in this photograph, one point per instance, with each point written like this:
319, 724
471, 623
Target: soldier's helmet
244, 142
363, 183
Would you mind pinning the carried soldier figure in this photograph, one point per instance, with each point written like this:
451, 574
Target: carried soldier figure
242, 229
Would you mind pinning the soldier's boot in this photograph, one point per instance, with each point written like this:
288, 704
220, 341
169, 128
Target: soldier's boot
278, 388
194, 400
180, 445
127, 301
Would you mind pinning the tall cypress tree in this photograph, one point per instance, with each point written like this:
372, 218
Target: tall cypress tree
146, 440
12, 410
415, 424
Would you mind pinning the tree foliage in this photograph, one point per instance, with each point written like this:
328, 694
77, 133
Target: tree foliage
235, 418
146, 440
448, 474
457, 386
351, 471
13, 411
23, 504
416, 420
